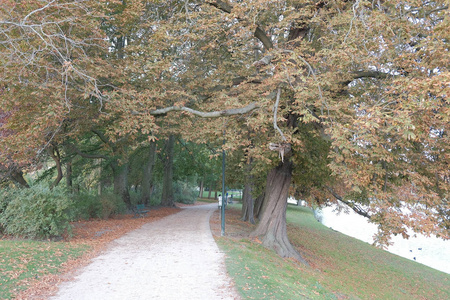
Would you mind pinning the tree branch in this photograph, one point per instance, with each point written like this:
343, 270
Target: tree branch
223, 6
104, 139
275, 108
370, 74
86, 155
259, 33
353, 206
212, 114
367, 74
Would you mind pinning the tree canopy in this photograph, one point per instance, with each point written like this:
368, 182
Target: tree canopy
353, 94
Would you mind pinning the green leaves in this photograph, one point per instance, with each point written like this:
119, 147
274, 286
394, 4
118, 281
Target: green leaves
36, 212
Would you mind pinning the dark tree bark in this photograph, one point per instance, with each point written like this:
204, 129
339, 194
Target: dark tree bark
258, 205
209, 193
247, 195
272, 229
147, 180
17, 176
167, 198
248, 204
68, 163
200, 194
244, 204
102, 179
120, 173
54, 154
69, 180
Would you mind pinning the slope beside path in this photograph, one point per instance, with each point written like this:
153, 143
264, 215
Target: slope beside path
173, 258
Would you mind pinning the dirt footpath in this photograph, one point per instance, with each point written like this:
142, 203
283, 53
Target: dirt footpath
173, 258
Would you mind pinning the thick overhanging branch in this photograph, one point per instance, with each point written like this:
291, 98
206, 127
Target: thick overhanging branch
259, 33
370, 74
367, 74
222, 5
275, 108
86, 155
353, 206
423, 12
212, 114
283, 147
103, 138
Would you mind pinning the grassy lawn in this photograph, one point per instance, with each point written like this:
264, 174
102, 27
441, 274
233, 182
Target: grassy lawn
341, 267
24, 261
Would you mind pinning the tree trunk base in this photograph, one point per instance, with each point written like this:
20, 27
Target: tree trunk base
283, 247
272, 229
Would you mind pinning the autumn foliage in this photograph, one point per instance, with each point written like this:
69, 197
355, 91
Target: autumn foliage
354, 92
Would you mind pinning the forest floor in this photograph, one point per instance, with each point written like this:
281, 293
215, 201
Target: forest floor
169, 253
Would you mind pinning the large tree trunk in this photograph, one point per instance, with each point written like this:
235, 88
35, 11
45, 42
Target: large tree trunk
200, 195
54, 154
17, 176
167, 198
247, 195
248, 204
69, 171
69, 181
147, 180
244, 204
258, 205
209, 193
100, 175
121, 183
272, 227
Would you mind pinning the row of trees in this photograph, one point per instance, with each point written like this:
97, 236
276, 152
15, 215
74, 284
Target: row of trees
348, 100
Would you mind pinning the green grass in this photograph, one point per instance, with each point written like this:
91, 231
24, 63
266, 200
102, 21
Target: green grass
206, 200
259, 274
341, 267
23, 261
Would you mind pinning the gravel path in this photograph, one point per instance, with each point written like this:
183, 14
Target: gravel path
173, 258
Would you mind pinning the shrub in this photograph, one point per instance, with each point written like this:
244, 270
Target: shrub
86, 205
155, 197
37, 212
5, 198
89, 205
135, 196
112, 204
